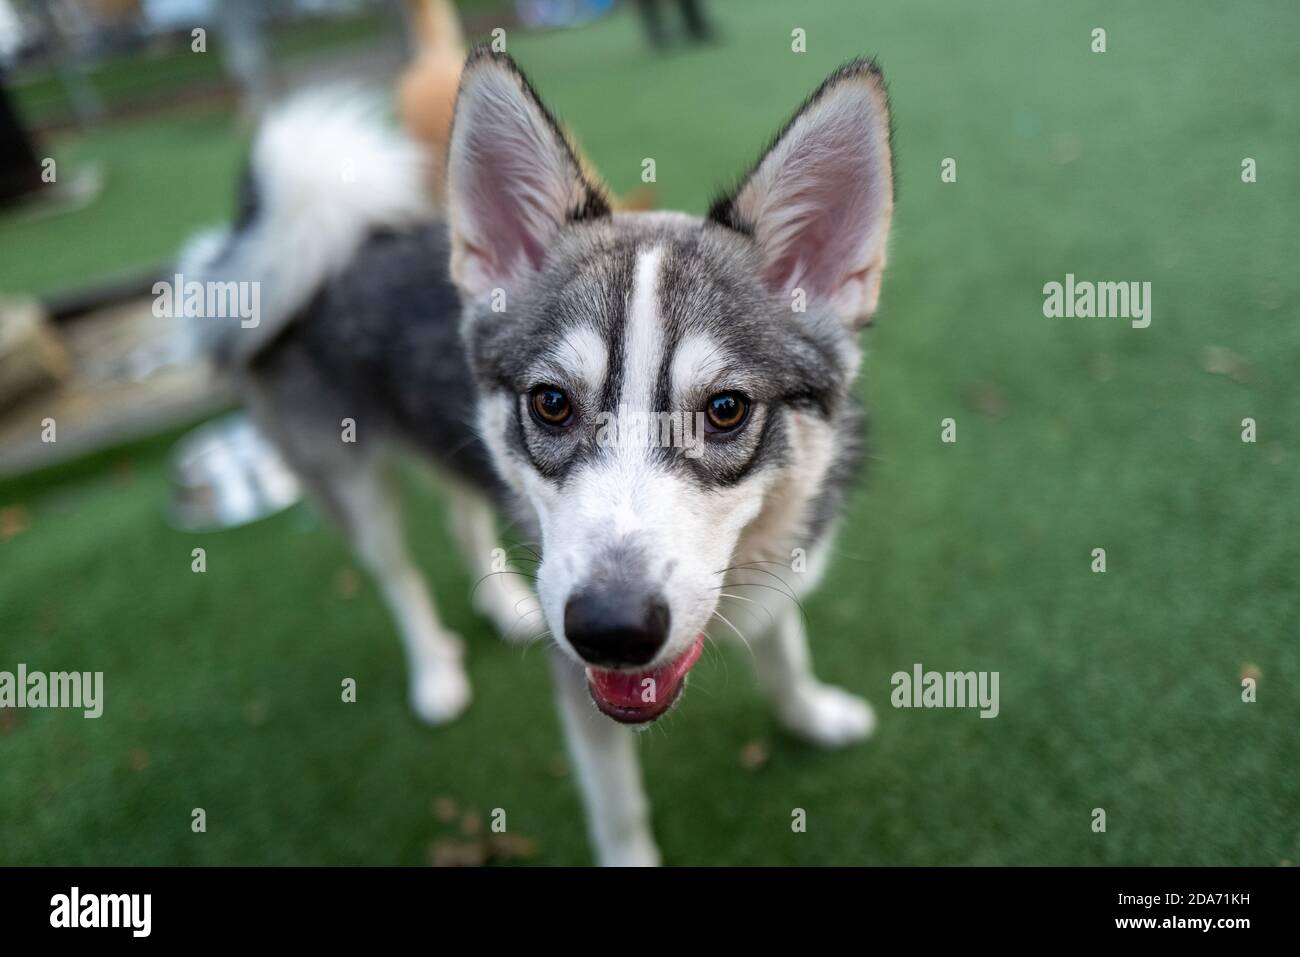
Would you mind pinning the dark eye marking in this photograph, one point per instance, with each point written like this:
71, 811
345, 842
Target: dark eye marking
550, 406
726, 412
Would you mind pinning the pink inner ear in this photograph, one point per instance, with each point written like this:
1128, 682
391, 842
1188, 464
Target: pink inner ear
825, 204
505, 204
510, 178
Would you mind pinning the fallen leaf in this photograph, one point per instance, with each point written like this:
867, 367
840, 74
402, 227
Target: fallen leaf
445, 810
1218, 360
1270, 295
471, 824
138, 758
347, 582
256, 712
1251, 670
754, 755
990, 399
1102, 367
1066, 148
13, 522
458, 854
512, 847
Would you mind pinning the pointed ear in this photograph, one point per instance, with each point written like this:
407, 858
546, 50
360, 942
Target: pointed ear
819, 201
512, 179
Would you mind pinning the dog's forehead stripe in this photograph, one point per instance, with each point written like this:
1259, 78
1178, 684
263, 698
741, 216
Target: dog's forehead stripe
644, 335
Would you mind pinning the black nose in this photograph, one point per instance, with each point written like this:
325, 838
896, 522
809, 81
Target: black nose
611, 629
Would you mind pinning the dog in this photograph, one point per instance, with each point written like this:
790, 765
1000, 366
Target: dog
501, 343
426, 90
426, 98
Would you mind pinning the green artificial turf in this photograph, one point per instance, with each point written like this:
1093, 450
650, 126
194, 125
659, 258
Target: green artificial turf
163, 178
1119, 691
119, 79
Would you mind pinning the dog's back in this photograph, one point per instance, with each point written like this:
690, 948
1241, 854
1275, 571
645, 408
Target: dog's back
384, 336
359, 319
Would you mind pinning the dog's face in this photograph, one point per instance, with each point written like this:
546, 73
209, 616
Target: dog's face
655, 385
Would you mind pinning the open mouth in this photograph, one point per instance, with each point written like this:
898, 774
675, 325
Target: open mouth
636, 697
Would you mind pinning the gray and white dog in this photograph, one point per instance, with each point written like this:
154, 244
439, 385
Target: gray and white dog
512, 343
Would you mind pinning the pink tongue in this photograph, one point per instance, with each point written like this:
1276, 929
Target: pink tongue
629, 690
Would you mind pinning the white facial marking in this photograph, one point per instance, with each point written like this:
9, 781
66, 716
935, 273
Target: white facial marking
643, 341
582, 354
642, 346
699, 362
625, 501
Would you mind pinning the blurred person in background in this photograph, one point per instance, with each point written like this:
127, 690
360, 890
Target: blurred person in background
698, 28
20, 172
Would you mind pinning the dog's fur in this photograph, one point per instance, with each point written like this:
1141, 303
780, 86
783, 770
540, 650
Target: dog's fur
431, 336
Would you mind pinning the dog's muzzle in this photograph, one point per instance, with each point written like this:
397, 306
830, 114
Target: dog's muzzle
615, 632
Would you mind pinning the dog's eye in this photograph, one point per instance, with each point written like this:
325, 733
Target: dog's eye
550, 406
726, 411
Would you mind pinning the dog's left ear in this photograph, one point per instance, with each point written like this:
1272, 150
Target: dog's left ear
513, 181
819, 201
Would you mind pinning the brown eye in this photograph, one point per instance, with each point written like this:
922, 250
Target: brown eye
726, 411
550, 406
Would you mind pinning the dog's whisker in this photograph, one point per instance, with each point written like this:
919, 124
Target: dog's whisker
714, 648
520, 618
516, 554
780, 591
528, 548
758, 561
787, 591
528, 598
726, 621
771, 619
526, 644
762, 571
474, 589
743, 640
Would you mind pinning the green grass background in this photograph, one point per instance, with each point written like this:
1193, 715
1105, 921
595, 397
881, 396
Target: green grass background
1119, 691
121, 79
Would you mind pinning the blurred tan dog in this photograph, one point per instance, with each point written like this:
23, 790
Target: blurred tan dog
426, 96
426, 92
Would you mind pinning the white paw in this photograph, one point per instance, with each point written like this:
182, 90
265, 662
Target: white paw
829, 717
441, 692
638, 852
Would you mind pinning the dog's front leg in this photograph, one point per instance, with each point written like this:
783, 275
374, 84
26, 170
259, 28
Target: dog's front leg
819, 713
604, 756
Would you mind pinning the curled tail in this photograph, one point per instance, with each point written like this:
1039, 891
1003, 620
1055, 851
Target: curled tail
326, 170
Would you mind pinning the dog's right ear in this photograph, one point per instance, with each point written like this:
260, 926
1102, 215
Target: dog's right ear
512, 179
